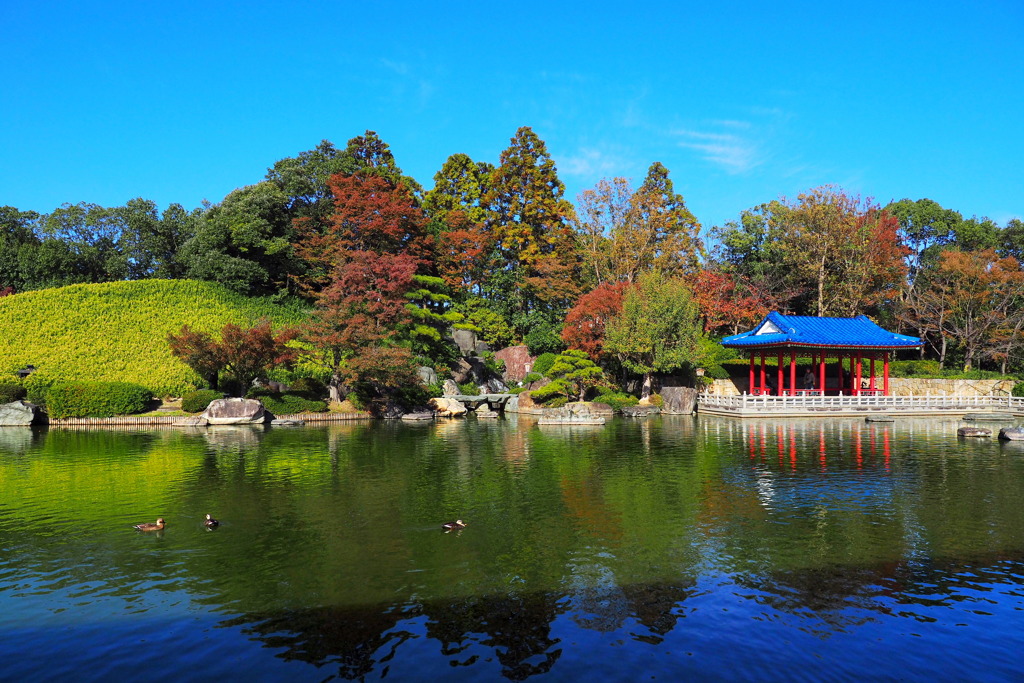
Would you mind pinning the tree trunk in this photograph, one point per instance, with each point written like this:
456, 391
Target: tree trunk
334, 388
645, 388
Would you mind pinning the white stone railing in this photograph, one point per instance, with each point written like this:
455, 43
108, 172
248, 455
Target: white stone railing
747, 403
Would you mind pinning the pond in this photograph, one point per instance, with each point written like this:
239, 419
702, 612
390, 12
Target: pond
660, 548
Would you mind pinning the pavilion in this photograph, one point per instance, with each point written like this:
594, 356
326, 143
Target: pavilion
856, 342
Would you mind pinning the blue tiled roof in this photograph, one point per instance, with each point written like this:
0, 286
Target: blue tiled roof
804, 330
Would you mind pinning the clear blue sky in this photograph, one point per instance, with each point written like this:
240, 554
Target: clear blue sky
742, 101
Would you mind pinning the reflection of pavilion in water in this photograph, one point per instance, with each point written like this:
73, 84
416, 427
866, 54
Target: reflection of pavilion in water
792, 443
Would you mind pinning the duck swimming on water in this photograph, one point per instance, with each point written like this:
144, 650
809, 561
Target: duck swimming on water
210, 522
452, 526
151, 526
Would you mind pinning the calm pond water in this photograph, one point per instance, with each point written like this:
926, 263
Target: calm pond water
657, 549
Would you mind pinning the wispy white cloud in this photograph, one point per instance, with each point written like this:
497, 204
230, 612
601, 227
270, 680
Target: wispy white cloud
732, 151
589, 163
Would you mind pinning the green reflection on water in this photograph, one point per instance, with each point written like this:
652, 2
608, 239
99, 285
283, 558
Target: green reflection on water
350, 514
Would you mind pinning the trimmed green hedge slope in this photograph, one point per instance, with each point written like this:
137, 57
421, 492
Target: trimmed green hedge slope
117, 331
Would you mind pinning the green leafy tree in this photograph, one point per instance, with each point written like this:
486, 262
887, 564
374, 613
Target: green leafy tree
244, 242
18, 243
658, 330
460, 185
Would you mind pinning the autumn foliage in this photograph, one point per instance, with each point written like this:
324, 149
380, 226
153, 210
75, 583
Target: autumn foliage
586, 321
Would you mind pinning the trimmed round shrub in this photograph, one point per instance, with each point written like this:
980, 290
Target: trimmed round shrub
96, 399
197, 401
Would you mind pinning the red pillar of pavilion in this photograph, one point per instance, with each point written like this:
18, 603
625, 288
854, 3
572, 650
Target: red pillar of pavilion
792, 372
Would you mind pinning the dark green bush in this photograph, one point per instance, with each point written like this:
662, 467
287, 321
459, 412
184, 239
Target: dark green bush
716, 372
308, 387
532, 377
10, 393
96, 399
617, 400
289, 404
1018, 389
556, 402
543, 363
469, 389
197, 401
11, 389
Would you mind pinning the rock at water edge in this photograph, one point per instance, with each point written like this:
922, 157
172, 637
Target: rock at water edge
235, 411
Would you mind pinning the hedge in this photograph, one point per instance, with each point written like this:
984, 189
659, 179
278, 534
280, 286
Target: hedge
197, 401
96, 399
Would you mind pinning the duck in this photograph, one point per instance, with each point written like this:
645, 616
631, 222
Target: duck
210, 522
151, 526
452, 526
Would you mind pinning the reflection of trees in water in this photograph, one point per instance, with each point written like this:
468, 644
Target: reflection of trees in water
516, 626
362, 639
656, 606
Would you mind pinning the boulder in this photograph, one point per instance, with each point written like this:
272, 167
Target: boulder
518, 362
235, 411
1011, 434
678, 400
418, 416
484, 411
512, 405
493, 386
447, 407
572, 413
450, 388
465, 340
973, 431
18, 414
277, 422
427, 375
602, 409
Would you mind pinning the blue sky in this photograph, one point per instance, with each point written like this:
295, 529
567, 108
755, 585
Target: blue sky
742, 101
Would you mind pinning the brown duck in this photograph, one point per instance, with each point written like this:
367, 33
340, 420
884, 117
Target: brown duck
151, 526
452, 526
210, 522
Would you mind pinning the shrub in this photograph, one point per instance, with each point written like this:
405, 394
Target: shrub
1018, 389
37, 385
308, 387
915, 368
716, 372
469, 389
556, 402
617, 400
532, 377
289, 404
197, 401
96, 399
656, 400
543, 363
10, 393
